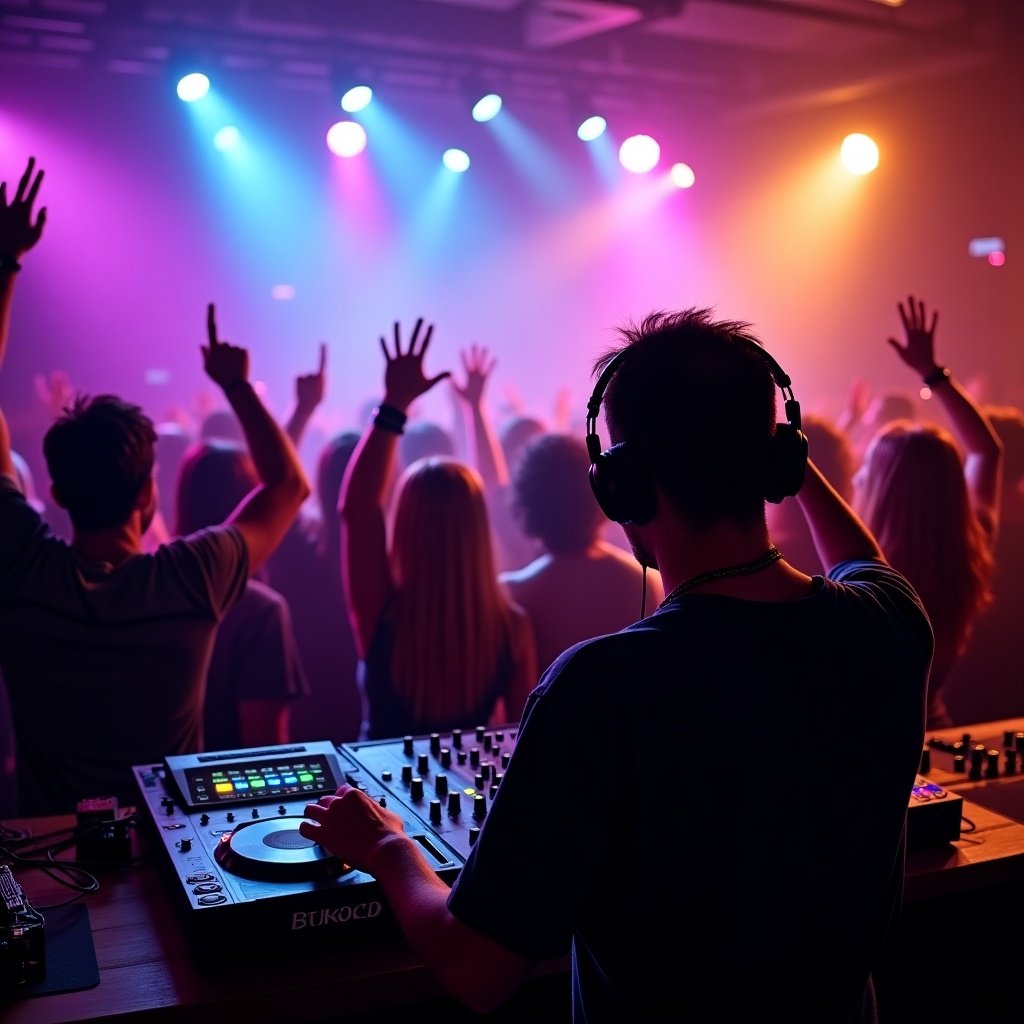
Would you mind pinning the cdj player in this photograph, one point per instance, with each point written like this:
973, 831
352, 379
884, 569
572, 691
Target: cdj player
226, 826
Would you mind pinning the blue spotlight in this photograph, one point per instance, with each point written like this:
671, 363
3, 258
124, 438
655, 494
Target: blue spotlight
592, 128
487, 107
193, 87
456, 160
357, 98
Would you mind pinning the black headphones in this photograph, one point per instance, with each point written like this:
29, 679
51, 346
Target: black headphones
624, 487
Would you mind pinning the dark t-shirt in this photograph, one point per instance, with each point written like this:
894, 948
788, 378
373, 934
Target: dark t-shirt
708, 807
105, 667
255, 657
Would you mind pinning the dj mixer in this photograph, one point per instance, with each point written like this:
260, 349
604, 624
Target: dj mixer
982, 766
226, 824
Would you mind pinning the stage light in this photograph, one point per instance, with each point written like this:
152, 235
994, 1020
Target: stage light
592, 128
639, 154
227, 138
193, 86
346, 138
985, 246
456, 160
996, 259
682, 175
487, 107
357, 98
859, 153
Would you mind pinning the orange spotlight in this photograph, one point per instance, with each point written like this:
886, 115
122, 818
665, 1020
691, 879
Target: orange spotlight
859, 153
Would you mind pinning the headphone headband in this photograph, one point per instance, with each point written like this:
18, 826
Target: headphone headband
623, 486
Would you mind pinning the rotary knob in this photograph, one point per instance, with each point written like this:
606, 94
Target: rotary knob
407, 773
407, 746
255, 812
1010, 759
474, 757
441, 784
992, 764
435, 812
480, 730
416, 789
474, 834
230, 815
487, 738
435, 743
422, 764
454, 804
204, 818
977, 758
479, 807
457, 739
446, 757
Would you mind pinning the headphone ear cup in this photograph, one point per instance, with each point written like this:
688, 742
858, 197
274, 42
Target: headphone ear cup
623, 487
786, 463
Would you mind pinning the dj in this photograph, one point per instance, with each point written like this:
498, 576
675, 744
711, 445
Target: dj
708, 808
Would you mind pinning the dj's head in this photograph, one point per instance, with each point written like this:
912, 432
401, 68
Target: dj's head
690, 406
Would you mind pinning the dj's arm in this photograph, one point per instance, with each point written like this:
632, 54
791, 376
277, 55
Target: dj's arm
839, 533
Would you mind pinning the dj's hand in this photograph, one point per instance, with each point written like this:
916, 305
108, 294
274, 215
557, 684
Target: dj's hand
350, 825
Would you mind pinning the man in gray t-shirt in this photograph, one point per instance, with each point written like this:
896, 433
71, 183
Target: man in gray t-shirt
104, 649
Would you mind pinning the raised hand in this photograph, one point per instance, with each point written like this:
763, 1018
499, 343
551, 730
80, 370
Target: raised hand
311, 387
919, 351
404, 380
18, 231
55, 392
224, 364
478, 368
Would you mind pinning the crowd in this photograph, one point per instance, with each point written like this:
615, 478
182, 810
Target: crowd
712, 570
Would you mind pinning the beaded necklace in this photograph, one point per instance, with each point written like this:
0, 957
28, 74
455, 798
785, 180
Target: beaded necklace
773, 554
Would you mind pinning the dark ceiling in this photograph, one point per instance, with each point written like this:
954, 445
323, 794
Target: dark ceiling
737, 56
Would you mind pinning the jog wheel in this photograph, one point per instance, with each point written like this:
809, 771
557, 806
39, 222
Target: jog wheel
275, 851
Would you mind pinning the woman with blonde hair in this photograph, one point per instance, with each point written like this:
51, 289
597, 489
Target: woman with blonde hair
933, 508
440, 644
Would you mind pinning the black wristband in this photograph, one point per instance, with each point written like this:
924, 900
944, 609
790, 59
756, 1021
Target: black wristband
937, 376
9, 263
387, 417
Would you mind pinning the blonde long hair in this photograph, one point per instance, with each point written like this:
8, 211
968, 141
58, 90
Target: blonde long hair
451, 621
913, 496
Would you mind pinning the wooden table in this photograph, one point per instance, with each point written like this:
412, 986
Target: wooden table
148, 974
